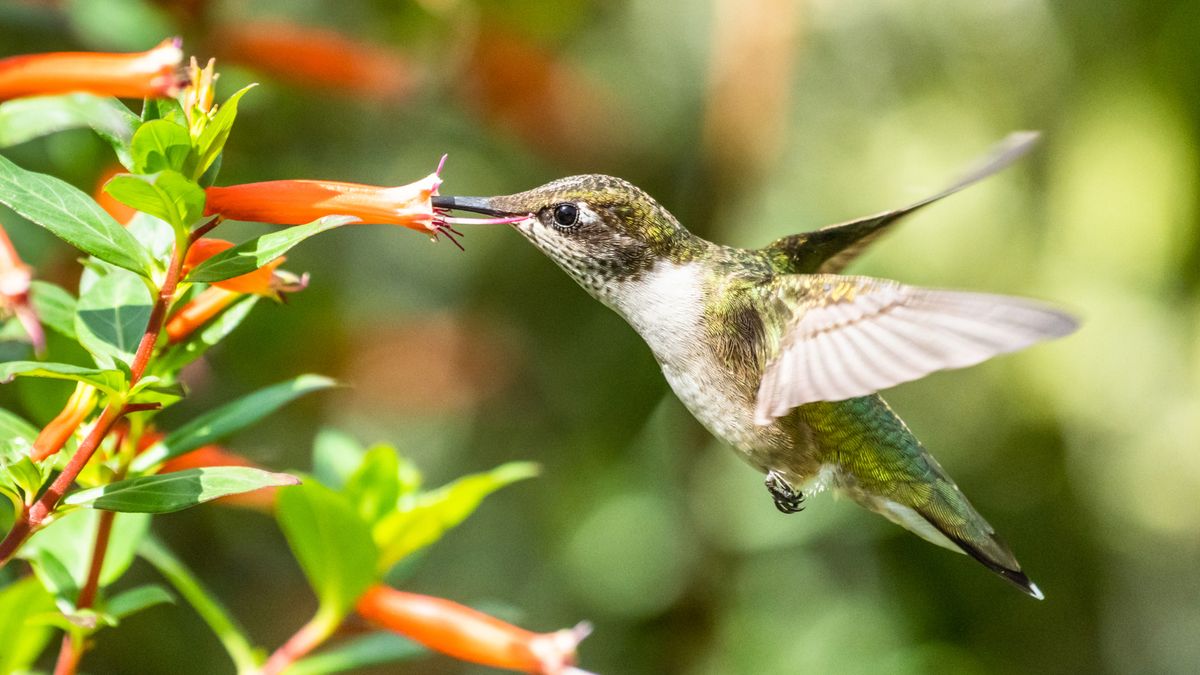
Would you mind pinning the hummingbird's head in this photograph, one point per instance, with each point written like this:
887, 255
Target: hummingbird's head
598, 228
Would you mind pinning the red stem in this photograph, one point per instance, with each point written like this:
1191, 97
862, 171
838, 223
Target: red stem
205, 228
68, 656
44, 507
157, 315
308, 638
72, 649
87, 595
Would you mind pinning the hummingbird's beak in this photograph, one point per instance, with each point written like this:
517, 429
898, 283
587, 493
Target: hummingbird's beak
472, 204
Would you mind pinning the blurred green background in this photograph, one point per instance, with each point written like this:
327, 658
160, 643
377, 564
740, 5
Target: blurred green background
749, 119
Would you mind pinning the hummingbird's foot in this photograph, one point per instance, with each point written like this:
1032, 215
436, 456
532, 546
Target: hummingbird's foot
787, 498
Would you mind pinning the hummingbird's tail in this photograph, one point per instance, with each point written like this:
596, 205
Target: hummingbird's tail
883, 466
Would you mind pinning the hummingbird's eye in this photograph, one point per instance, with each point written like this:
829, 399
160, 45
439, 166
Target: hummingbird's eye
566, 215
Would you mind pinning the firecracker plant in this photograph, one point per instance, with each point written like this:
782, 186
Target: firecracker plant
156, 290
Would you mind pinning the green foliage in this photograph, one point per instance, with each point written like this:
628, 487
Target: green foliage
63, 552
216, 132
332, 544
109, 381
23, 632
165, 493
198, 342
55, 308
167, 195
110, 320
367, 512
25, 119
229, 418
253, 254
372, 649
72, 216
163, 145
111, 316
425, 517
131, 601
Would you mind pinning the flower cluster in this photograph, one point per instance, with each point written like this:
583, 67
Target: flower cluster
104, 450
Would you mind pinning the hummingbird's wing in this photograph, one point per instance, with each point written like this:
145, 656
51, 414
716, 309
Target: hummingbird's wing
831, 248
852, 336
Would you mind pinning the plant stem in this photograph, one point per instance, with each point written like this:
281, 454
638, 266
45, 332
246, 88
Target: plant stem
87, 594
205, 228
232, 637
43, 508
73, 646
158, 313
68, 654
309, 637
30, 521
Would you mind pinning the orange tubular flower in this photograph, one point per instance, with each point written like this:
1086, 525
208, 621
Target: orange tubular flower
470, 635
122, 213
55, 435
198, 311
152, 73
221, 294
295, 202
15, 279
318, 57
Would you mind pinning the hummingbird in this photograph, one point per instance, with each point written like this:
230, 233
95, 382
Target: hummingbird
779, 354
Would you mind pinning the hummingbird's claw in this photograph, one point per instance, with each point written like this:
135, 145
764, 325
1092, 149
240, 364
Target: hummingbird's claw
787, 498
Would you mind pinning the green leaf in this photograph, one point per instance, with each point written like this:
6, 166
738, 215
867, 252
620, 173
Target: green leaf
251, 255
25, 119
22, 637
71, 536
111, 317
212, 139
374, 488
336, 456
55, 307
52, 572
136, 599
109, 381
16, 469
163, 109
152, 389
161, 145
13, 426
157, 236
168, 492
410, 529
24, 474
332, 544
209, 177
167, 195
372, 649
216, 424
72, 216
